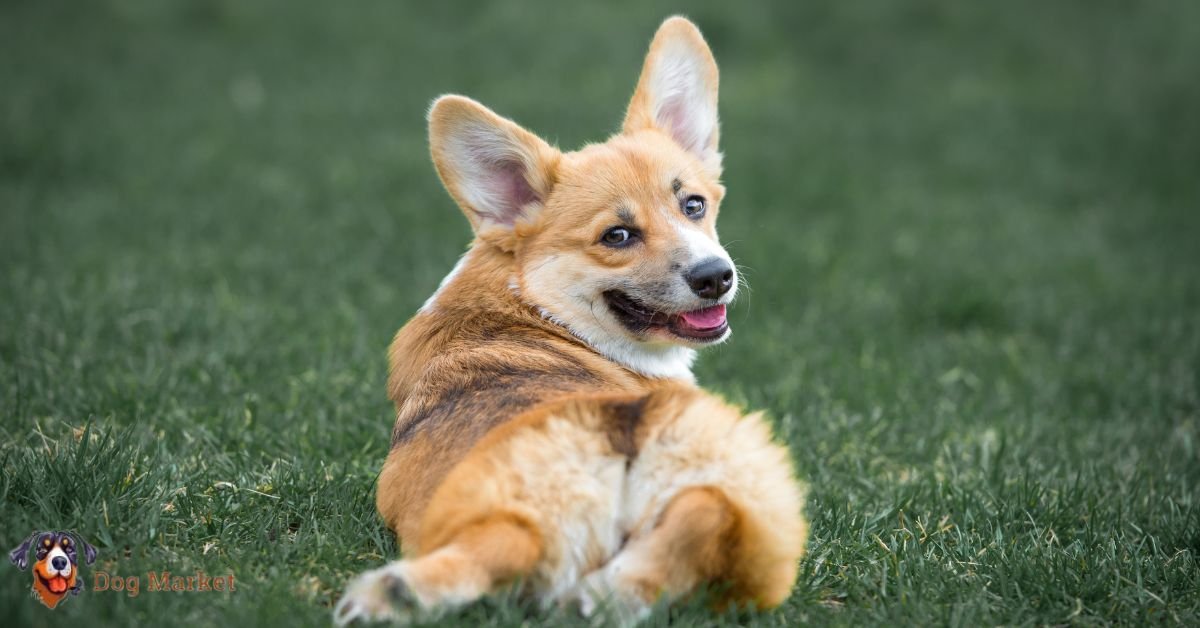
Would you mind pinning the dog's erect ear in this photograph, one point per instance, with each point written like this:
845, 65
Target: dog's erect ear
677, 92
20, 556
499, 173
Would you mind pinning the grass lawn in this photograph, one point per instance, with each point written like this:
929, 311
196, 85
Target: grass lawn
972, 234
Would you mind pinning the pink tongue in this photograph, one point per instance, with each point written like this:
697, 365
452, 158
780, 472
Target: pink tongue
708, 318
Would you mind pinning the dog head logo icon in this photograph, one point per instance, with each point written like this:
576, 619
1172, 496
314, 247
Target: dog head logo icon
56, 563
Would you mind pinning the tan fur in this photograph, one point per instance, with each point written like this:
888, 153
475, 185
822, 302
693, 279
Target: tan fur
538, 440
478, 331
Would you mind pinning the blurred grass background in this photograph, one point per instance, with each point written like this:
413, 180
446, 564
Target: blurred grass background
971, 232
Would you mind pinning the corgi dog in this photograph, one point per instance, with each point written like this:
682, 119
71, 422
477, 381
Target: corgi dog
549, 431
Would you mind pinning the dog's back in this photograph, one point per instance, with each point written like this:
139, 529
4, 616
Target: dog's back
475, 357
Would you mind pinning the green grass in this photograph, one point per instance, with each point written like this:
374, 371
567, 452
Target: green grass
972, 233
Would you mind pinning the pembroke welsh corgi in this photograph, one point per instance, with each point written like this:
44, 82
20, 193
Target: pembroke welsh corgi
548, 430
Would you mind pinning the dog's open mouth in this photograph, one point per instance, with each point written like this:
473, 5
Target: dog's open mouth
703, 325
57, 584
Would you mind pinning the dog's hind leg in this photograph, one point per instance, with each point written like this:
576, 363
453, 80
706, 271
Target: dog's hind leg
534, 500
479, 557
690, 545
711, 500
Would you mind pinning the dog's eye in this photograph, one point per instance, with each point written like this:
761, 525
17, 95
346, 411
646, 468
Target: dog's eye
693, 206
618, 236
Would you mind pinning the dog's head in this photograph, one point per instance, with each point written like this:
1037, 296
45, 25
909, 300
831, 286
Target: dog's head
56, 562
616, 241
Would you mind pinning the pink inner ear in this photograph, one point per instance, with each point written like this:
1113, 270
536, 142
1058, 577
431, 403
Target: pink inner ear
673, 115
510, 192
519, 189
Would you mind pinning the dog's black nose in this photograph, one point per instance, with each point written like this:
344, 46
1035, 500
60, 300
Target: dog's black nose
711, 278
59, 562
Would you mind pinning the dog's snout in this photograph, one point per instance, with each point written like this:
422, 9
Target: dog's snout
710, 279
59, 562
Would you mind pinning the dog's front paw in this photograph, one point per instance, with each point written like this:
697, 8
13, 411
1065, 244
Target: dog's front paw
379, 594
